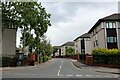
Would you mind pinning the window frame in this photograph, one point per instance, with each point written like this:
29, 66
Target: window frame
110, 25
112, 39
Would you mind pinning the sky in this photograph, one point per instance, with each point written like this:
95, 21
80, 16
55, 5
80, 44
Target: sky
72, 19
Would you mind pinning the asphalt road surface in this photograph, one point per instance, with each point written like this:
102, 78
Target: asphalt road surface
58, 68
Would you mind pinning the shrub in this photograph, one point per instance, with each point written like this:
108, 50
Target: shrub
5, 61
45, 58
106, 56
13, 61
8, 61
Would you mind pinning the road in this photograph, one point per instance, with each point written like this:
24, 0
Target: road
58, 68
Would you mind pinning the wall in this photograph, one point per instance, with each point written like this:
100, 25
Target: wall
0, 41
101, 39
77, 46
88, 46
99, 36
9, 42
62, 50
118, 24
119, 37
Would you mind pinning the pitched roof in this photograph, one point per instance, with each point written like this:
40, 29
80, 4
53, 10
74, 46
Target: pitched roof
56, 47
68, 44
86, 35
113, 17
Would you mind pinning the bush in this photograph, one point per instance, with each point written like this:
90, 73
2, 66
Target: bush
45, 58
5, 61
40, 59
106, 56
8, 61
13, 61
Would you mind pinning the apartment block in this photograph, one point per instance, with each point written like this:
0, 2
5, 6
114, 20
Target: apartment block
65, 46
82, 44
106, 32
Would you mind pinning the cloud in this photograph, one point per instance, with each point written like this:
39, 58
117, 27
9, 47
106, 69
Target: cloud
70, 20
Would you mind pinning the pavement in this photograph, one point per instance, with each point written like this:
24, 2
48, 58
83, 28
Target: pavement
23, 67
95, 68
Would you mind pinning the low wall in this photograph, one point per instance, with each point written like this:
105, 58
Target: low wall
75, 56
89, 61
108, 65
34, 57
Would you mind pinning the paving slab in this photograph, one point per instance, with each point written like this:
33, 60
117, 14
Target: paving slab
95, 68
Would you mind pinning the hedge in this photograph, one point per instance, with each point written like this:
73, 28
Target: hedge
106, 56
7, 61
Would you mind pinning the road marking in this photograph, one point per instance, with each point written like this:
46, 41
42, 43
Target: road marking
58, 74
61, 75
79, 75
88, 75
69, 75
60, 66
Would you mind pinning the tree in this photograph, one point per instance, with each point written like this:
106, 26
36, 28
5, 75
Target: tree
54, 50
27, 16
24, 14
70, 51
45, 46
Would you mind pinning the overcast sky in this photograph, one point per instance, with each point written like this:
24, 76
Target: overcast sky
72, 19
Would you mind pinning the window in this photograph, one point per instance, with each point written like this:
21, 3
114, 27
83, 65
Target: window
115, 39
66, 47
110, 25
76, 50
111, 39
76, 45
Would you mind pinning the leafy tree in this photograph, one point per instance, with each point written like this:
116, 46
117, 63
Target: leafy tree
55, 49
45, 47
27, 16
70, 51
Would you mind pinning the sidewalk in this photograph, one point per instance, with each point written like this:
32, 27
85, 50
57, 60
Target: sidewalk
95, 68
22, 67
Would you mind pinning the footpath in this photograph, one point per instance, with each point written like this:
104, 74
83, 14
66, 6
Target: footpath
95, 68
22, 67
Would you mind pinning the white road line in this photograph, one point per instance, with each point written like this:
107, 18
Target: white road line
58, 74
88, 75
60, 66
69, 75
61, 75
79, 75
